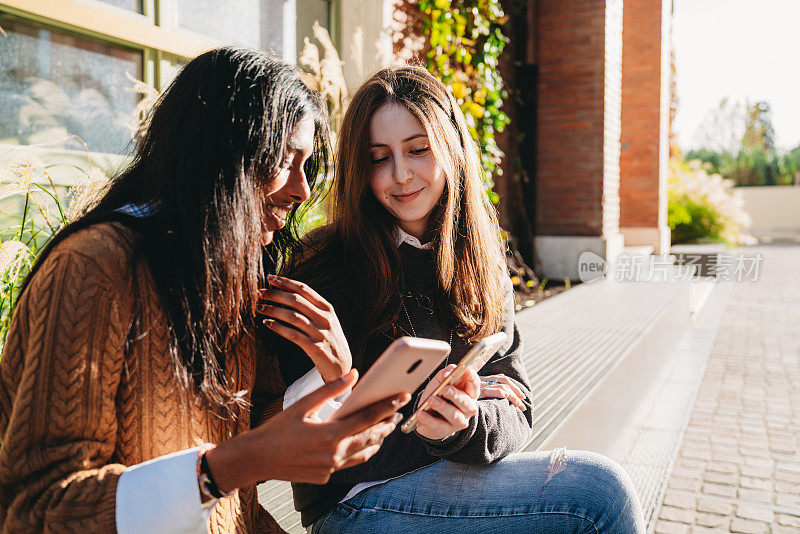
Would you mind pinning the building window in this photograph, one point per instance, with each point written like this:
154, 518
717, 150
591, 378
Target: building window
67, 70
220, 21
58, 88
66, 64
131, 5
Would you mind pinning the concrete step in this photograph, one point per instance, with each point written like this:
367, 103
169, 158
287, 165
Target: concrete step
575, 340
639, 250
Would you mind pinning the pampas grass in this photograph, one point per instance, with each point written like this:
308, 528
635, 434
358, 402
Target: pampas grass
324, 73
46, 209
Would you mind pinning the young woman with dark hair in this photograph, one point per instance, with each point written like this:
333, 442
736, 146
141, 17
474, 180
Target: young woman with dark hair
413, 248
134, 347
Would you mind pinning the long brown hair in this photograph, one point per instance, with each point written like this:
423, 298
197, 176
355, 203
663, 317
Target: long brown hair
216, 139
464, 227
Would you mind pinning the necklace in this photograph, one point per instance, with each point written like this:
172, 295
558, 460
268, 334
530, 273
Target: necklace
411, 324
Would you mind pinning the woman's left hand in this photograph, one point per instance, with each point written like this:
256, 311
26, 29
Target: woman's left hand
310, 322
502, 387
452, 409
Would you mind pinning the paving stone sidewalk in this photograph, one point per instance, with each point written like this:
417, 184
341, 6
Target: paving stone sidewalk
738, 467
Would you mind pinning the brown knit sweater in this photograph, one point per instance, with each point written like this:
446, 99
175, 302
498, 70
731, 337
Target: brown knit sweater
77, 407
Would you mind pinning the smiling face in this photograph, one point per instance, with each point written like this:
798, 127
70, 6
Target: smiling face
289, 186
405, 176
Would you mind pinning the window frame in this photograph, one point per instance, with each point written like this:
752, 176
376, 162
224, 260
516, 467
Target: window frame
154, 33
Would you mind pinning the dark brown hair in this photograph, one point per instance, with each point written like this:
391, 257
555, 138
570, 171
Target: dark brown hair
215, 140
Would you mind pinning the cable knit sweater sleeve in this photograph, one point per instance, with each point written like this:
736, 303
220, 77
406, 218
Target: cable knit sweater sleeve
59, 375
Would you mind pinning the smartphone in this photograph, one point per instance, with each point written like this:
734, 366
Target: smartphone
475, 359
402, 367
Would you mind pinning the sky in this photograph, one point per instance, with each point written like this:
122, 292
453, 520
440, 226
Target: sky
742, 49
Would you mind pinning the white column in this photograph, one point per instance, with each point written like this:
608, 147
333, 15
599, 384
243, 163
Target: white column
290, 32
374, 18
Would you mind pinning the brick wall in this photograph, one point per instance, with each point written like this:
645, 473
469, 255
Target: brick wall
578, 50
666, 85
645, 97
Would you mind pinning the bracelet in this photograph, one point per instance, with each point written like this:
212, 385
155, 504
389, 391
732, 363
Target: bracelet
205, 480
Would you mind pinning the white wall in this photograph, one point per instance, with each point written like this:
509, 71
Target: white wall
775, 210
374, 17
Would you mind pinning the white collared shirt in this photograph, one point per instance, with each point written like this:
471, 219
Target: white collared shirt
401, 236
161, 496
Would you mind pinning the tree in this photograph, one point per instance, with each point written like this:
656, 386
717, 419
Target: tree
758, 130
722, 127
738, 142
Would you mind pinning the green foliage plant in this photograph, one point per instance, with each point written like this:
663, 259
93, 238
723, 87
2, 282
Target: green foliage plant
755, 165
704, 207
324, 73
464, 43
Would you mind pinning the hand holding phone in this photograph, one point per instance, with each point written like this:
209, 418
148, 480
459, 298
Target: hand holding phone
451, 410
401, 368
475, 359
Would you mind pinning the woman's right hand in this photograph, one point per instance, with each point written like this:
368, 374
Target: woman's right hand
296, 445
451, 410
298, 313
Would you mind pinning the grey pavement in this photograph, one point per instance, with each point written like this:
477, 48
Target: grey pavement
738, 466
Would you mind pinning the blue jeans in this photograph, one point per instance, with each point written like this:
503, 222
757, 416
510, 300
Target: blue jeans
592, 494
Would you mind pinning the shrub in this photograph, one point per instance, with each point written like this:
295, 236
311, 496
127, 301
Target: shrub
704, 207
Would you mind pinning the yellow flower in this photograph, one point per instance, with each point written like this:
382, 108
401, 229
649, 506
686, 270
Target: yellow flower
459, 90
476, 110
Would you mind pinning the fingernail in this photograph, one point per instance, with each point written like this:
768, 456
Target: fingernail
268, 322
399, 401
397, 418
